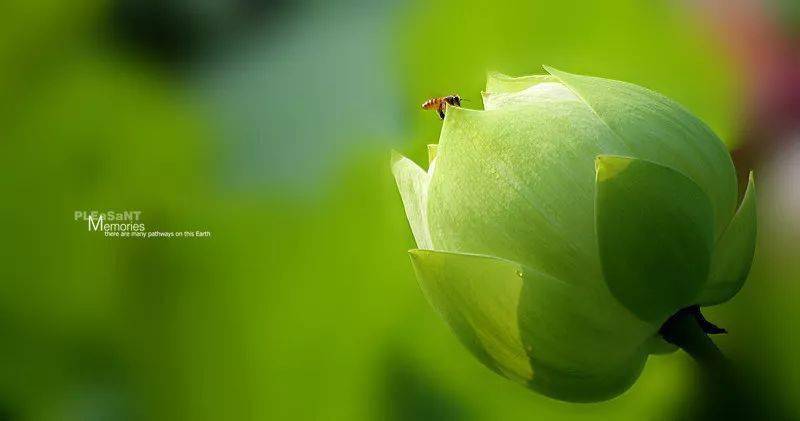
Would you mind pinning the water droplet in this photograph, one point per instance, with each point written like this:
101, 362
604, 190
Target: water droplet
519, 273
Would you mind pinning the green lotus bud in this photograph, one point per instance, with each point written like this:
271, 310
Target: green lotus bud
559, 228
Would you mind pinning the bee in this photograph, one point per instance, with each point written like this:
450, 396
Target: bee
440, 104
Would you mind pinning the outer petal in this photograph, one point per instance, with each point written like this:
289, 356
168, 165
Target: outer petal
657, 129
733, 254
519, 184
654, 232
412, 182
566, 342
432, 149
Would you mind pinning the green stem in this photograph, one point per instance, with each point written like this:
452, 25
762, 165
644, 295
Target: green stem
685, 330
725, 395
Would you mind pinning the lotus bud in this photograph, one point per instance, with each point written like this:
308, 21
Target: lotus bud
561, 226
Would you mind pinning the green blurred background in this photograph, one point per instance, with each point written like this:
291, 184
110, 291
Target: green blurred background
269, 123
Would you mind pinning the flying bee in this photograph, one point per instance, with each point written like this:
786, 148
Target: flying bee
440, 104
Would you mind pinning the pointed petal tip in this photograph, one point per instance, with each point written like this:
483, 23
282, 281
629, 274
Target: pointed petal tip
433, 149
395, 156
395, 162
551, 70
750, 190
494, 74
399, 159
417, 255
609, 166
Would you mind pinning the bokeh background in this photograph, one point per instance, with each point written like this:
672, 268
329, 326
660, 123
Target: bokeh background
270, 123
